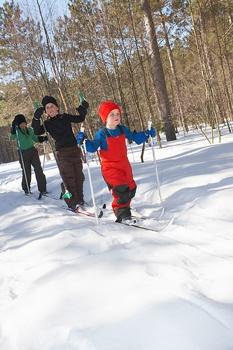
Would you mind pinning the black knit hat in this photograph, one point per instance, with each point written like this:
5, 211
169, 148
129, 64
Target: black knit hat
49, 99
19, 118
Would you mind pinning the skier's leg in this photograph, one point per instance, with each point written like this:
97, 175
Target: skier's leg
120, 181
129, 179
26, 155
40, 177
121, 193
115, 179
79, 177
67, 173
67, 159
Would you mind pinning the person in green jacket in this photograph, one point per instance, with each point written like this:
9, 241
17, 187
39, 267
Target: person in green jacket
28, 154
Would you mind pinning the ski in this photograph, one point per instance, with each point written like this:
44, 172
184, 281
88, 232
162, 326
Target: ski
34, 196
140, 227
80, 211
148, 223
139, 224
136, 213
83, 212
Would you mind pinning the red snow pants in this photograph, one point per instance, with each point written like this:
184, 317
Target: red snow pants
117, 172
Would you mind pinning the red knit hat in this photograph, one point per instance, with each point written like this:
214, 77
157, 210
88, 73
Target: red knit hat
105, 108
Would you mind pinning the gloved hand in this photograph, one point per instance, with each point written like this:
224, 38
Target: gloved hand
85, 104
81, 109
42, 138
80, 137
82, 100
13, 127
151, 132
38, 113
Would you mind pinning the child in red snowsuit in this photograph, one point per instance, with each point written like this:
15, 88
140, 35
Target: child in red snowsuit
115, 166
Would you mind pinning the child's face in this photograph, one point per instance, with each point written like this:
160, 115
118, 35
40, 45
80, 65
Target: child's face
51, 109
113, 119
23, 125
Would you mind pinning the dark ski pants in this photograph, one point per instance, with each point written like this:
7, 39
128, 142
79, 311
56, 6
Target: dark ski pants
31, 158
71, 170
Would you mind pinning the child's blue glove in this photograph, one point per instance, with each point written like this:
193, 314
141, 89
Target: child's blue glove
80, 137
151, 132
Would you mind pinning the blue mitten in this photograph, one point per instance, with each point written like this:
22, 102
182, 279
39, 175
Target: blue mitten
80, 137
151, 132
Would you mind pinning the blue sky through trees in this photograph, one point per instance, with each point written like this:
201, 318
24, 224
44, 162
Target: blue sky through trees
56, 7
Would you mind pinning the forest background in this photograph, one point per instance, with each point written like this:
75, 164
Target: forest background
171, 61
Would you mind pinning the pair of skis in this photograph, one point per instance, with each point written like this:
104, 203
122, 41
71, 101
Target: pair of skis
80, 210
149, 224
138, 221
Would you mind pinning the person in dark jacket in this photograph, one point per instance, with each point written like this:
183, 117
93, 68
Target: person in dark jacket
28, 154
115, 166
68, 154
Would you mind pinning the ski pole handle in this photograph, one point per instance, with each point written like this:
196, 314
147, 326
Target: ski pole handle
149, 127
149, 124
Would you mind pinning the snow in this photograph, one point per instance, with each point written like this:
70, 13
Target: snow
67, 283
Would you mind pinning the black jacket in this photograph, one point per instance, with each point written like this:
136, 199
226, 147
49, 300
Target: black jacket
59, 128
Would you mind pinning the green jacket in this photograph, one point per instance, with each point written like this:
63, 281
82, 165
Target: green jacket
25, 140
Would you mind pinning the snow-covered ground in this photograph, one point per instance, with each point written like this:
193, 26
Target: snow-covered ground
68, 284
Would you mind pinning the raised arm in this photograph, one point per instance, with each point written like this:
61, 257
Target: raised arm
82, 112
36, 121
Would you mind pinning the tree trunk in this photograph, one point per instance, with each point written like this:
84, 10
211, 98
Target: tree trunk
132, 80
221, 55
174, 74
212, 81
111, 47
158, 74
146, 89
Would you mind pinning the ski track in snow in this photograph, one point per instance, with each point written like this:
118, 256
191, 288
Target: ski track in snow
66, 283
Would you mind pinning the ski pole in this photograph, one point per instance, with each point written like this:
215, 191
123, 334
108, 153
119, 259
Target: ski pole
22, 161
91, 183
131, 149
155, 162
84, 149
